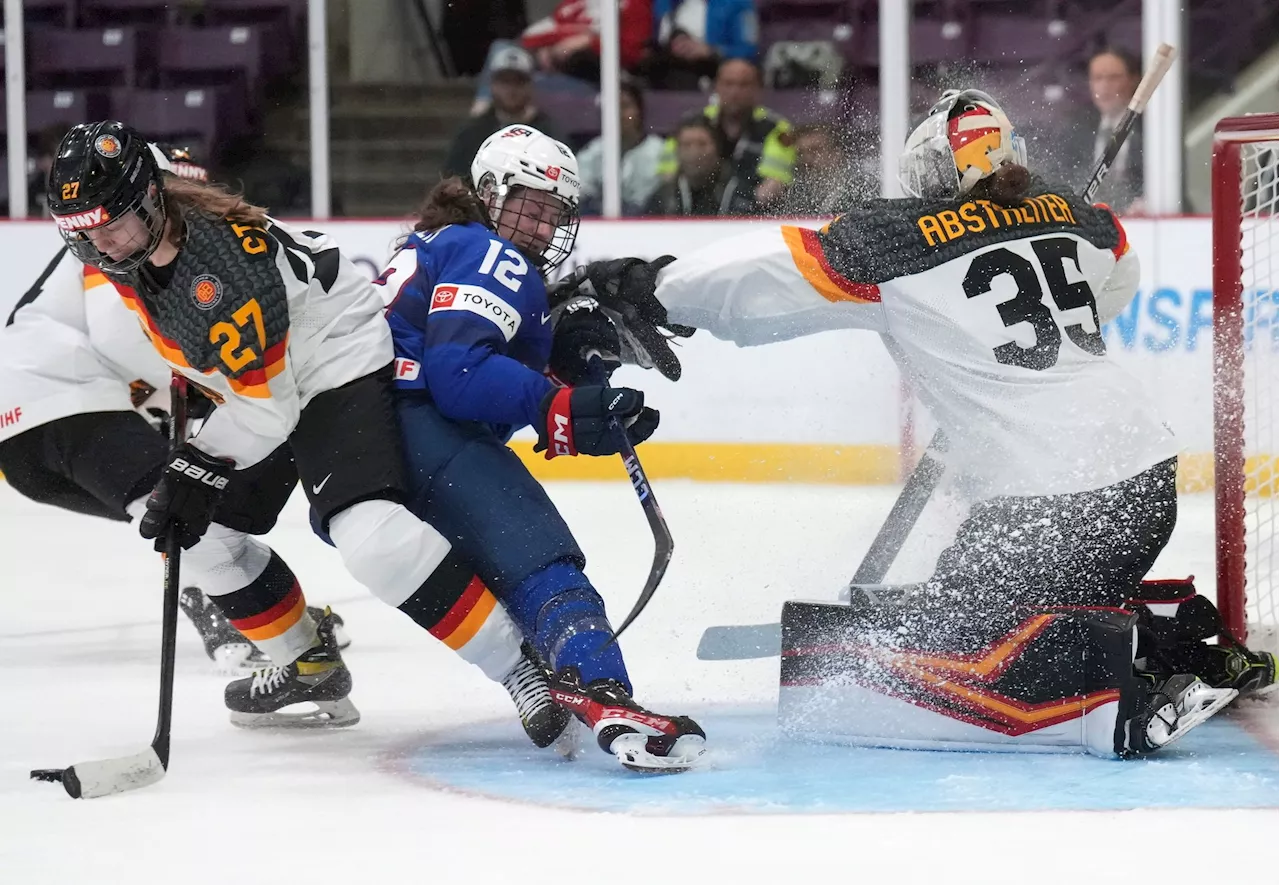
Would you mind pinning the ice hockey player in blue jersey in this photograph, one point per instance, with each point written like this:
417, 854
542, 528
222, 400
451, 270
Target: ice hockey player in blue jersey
479, 356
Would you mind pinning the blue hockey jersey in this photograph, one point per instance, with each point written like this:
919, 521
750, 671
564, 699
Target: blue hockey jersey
469, 318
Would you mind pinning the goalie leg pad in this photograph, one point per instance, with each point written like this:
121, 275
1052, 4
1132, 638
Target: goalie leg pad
1055, 682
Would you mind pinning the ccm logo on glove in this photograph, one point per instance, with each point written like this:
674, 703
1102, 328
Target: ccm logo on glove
199, 474
578, 420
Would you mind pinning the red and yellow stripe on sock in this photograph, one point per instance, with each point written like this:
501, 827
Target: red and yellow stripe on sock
479, 629
283, 631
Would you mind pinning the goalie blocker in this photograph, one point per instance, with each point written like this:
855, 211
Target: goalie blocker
865, 673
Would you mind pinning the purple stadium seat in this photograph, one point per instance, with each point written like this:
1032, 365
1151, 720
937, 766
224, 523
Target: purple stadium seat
1007, 39
195, 115
49, 107
242, 11
61, 13
62, 57
113, 12
206, 56
662, 110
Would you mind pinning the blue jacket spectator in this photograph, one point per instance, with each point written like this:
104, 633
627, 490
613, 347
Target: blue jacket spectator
694, 36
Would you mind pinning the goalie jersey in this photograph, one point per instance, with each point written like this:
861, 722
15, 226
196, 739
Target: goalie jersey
994, 314
471, 326
261, 318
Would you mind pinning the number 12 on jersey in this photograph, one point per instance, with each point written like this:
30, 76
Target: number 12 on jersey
1027, 305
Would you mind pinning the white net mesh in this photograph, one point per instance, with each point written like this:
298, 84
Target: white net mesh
1260, 241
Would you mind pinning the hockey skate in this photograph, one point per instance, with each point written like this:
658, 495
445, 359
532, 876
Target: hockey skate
232, 654
1173, 708
642, 741
318, 677
1252, 673
546, 723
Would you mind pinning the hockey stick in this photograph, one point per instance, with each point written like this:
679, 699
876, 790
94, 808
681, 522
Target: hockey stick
663, 543
89, 780
744, 641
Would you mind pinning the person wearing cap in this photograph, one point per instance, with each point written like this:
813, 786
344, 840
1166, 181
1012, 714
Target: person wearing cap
511, 80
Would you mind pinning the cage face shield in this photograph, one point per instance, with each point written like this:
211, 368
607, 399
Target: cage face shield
106, 196
529, 182
965, 137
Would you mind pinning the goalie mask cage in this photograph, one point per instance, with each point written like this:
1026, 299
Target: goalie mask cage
1246, 388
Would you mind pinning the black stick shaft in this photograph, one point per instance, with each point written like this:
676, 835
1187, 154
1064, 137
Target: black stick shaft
172, 585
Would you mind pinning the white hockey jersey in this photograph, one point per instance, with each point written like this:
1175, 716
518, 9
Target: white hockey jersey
71, 347
261, 318
993, 313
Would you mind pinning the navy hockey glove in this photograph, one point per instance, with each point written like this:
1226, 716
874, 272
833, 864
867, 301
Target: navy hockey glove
583, 332
188, 491
575, 420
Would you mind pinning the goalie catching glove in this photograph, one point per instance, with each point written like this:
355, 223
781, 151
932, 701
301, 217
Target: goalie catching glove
575, 420
185, 497
623, 289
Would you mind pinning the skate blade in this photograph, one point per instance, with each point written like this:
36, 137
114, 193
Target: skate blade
1209, 701
327, 714
631, 750
238, 659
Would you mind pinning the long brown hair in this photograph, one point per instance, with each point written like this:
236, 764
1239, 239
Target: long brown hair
1004, 187
450, 202
212, 200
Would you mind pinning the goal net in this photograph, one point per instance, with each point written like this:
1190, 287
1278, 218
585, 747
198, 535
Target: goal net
1246, 317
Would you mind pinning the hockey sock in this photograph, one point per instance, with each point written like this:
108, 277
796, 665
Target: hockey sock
271, 612
563, 617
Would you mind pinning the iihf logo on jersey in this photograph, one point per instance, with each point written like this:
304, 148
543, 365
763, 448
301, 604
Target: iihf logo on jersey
206, 291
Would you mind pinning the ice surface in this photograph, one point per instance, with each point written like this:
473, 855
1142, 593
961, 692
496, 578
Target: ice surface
385, 802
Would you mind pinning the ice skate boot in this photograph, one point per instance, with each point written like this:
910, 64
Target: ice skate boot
642, 741
318, 677
546, 723
232, 654
1252, 673
1173, 708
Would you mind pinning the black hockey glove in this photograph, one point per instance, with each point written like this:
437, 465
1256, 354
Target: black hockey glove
575, 420
583, 332
185, 497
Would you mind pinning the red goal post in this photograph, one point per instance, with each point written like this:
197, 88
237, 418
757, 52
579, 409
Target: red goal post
1246, 385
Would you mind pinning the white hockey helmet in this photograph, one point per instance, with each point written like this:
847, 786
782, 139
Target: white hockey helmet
520, 156
965, 137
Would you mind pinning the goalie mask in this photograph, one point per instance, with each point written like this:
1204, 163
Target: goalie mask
528, 183
107, 197
965, 137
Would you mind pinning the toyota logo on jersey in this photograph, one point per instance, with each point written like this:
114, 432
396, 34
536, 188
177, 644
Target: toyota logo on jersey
479, 301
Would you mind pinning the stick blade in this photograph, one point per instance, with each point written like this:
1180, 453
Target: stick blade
90, 780
740, 642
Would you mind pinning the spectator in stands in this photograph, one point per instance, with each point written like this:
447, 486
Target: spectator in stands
641, 152
1113, 76
513, 102
38, 165
705, 184
757, 141
694, 36
826, 178
566, 47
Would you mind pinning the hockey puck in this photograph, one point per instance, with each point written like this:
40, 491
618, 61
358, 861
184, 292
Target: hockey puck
65, 776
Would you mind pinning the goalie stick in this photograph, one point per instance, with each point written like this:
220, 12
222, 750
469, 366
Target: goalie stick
744, 641
89, 780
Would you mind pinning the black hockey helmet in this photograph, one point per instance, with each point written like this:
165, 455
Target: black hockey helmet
102, 173
182, 161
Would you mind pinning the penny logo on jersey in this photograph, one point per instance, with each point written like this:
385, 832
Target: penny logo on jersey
479, 301
83, 220
206, 291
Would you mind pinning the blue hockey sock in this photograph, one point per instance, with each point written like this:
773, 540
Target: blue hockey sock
563, 617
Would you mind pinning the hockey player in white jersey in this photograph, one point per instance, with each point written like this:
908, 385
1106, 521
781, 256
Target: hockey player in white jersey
78, 384
287, 338
989, 288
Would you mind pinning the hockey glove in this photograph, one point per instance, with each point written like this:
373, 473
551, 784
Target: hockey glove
625, 289
575, 420
582, 332
185, 497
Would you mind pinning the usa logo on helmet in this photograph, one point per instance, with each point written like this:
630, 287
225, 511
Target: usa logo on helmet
107, 145
206, 291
